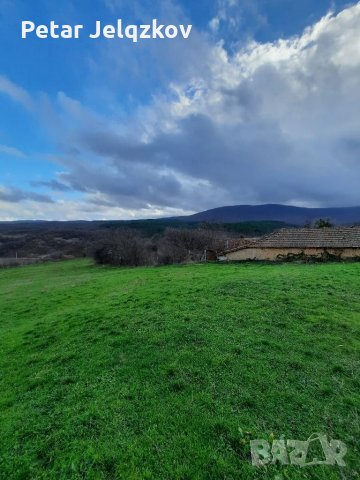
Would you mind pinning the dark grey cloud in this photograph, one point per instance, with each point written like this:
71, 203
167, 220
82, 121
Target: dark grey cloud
133, 186
16, 195
208, 157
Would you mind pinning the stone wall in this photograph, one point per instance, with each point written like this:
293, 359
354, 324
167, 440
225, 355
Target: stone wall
278, 254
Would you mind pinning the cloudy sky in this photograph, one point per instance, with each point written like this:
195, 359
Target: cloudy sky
260, 105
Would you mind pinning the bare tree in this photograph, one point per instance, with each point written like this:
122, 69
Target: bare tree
180, 245
122, 247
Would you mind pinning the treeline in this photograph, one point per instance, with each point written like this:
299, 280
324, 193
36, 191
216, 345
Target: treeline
128, 247
134, 247
137, 242
159, 226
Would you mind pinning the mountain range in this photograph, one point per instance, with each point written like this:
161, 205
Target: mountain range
275, 212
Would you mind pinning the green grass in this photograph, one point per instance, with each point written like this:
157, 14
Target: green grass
159, 373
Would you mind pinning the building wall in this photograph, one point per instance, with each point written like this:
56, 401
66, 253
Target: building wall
273, 254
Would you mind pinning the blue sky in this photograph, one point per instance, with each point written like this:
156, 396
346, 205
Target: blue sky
111, 129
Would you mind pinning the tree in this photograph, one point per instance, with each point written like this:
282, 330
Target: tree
323, 223
122, 247
180, 245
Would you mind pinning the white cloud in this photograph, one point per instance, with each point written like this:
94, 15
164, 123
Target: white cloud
15, 92
75, 210
214, 24
232, 18
15, 152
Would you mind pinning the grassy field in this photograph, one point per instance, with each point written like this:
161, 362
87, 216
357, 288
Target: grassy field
167, 373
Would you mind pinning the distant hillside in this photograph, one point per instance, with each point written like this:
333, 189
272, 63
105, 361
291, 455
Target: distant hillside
158, 226
244, 219
280, 213
71, 229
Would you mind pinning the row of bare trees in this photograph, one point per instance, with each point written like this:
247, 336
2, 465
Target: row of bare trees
129, 247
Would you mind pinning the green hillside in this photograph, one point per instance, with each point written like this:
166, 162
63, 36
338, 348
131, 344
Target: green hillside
167, 373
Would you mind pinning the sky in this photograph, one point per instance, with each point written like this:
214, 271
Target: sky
259, 105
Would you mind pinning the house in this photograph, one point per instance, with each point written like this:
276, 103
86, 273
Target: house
300, 243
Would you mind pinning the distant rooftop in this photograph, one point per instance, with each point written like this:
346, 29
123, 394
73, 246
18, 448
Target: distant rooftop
337, 237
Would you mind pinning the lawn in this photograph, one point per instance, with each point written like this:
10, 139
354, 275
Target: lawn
168, 373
